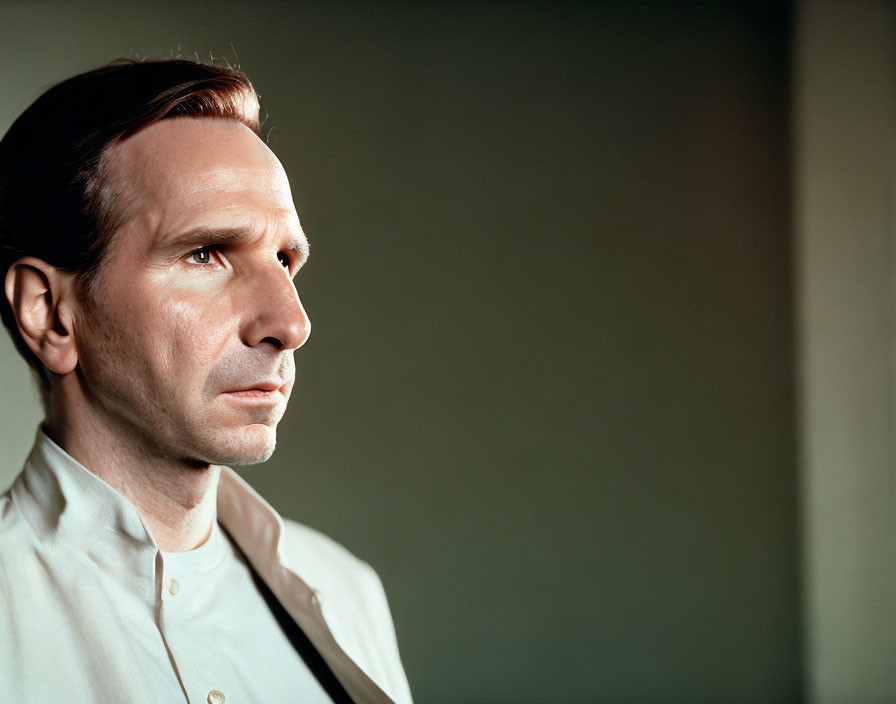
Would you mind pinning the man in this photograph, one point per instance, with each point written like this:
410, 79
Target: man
149, 243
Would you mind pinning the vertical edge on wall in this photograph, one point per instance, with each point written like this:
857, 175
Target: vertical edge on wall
844, 130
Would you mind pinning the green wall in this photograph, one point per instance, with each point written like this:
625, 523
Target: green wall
549, 392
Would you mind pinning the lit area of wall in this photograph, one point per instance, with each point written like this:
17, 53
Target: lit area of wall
844, 130
20, 410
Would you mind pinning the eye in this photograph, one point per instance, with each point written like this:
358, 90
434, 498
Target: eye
203, 255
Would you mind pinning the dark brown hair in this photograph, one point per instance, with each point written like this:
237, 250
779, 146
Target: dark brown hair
56, 201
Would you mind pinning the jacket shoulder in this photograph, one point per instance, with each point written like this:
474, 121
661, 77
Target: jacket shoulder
353, 604
324, 563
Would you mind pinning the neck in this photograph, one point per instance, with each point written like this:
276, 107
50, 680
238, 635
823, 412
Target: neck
176, 500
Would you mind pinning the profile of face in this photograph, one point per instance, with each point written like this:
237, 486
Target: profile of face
185, 340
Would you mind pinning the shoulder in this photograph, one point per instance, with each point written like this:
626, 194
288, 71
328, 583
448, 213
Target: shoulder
325, 564
15, 530
7, 517
23, 554
353, 603
23, 568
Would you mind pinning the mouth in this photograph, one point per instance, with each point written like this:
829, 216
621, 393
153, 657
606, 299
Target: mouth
264, 393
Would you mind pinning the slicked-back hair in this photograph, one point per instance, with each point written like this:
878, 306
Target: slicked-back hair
57, 201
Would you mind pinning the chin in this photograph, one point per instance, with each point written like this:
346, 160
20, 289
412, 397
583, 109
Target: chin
251, 444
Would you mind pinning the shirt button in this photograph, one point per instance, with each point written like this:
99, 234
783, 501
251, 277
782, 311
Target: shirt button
215, 697
315, 598
173, 589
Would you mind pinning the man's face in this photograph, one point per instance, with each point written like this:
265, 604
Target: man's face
186, 340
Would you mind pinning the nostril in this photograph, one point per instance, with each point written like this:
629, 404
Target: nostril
273, 342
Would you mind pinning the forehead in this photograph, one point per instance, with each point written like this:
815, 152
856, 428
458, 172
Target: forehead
183, 172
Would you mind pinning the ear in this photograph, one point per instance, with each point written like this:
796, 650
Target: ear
41, 299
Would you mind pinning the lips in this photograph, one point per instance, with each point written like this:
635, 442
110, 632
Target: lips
262, 392
261, 386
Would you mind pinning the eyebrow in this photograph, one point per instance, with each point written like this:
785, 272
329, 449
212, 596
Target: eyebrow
298, 246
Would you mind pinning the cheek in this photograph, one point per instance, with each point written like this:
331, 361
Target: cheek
198, 332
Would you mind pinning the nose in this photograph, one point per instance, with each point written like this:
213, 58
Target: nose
273, 311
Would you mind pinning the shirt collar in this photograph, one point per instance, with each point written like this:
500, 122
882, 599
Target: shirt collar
69, 507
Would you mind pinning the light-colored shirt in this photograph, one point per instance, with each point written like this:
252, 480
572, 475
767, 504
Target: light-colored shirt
87, 613
212, 609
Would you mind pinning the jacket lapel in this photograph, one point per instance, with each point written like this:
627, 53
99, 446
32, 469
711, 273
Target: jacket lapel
257, 530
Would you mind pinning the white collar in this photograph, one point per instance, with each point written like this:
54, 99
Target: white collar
66, 503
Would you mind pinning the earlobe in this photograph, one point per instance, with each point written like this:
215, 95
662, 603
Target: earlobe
39, 295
